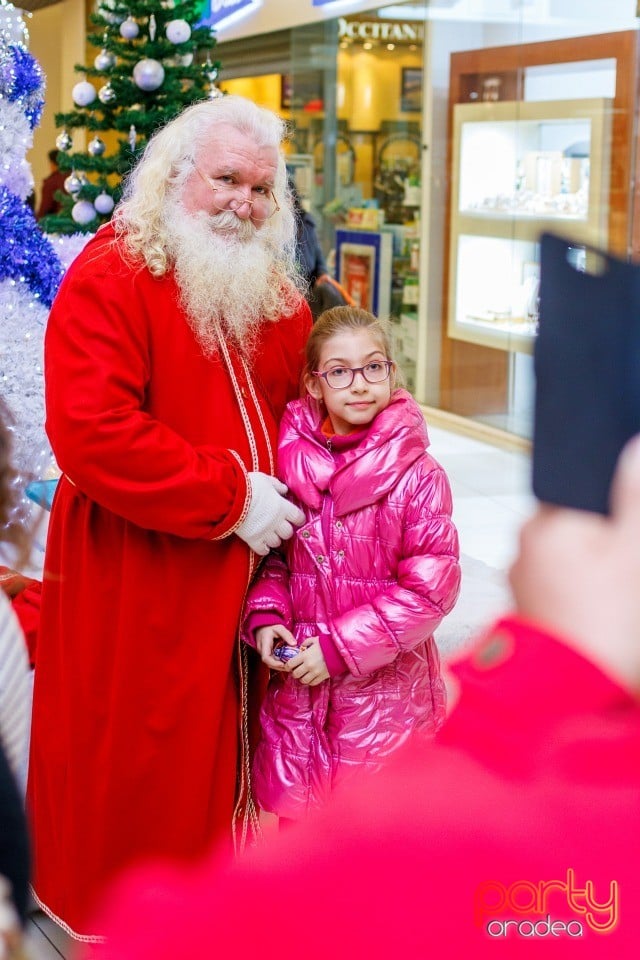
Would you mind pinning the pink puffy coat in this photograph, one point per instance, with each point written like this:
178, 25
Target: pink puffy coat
373, 570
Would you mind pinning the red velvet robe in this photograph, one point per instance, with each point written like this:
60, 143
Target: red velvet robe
136, 733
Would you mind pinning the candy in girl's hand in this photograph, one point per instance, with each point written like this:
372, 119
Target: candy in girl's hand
284, 652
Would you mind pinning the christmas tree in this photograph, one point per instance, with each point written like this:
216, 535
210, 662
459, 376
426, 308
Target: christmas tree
153, 61
29, 268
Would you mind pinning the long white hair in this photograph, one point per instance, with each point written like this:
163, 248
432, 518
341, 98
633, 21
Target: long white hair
168, 161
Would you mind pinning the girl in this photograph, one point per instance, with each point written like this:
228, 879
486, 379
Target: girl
369, 575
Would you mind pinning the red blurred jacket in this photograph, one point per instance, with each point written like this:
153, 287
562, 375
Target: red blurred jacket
521, 826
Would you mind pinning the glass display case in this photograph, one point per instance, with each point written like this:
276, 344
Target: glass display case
520, 168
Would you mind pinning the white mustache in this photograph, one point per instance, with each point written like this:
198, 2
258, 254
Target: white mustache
229, 222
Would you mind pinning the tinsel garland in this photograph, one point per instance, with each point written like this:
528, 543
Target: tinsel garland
15, 139
29, 272
26, 256
68, 247
22, 81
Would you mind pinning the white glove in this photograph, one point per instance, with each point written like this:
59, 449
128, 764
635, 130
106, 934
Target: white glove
270, 517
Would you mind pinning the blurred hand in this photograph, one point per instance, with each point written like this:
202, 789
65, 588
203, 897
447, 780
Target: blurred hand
266, 639
578, 573
10, 931
309, 666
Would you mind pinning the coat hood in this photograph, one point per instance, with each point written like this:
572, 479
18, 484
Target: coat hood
358, 475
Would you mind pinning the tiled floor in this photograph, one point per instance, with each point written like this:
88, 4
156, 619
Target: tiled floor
46, 941
491, 499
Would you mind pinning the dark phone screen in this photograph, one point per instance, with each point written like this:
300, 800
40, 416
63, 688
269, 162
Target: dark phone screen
587, 367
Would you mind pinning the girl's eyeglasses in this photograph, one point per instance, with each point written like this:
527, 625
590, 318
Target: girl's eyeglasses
377, 371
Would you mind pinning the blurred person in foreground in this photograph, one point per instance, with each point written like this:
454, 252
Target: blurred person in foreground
521, 825
15, 674
174, 343
15, 703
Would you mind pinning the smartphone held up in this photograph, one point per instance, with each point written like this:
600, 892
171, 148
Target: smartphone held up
587, 368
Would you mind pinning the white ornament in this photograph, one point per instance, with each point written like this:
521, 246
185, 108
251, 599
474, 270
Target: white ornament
178, 31
129, 29
185, 60
83, 93
104, 61
103, 203
148, 74
83, 212
153, 26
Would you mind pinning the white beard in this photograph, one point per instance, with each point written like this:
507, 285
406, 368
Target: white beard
229, 276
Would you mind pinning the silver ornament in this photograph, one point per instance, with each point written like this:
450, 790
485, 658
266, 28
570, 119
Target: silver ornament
73, 183
103, 203
106, 94
83, 212
132, 137
185, 60
148, 74
214, 92
129, 29
178, 31
96, 147
152, 27
104, 61
83, 93
64, 141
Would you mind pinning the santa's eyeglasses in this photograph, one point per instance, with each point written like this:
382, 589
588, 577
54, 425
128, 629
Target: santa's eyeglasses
227, 197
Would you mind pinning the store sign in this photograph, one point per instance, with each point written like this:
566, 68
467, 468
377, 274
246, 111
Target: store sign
215, 13
385, 30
